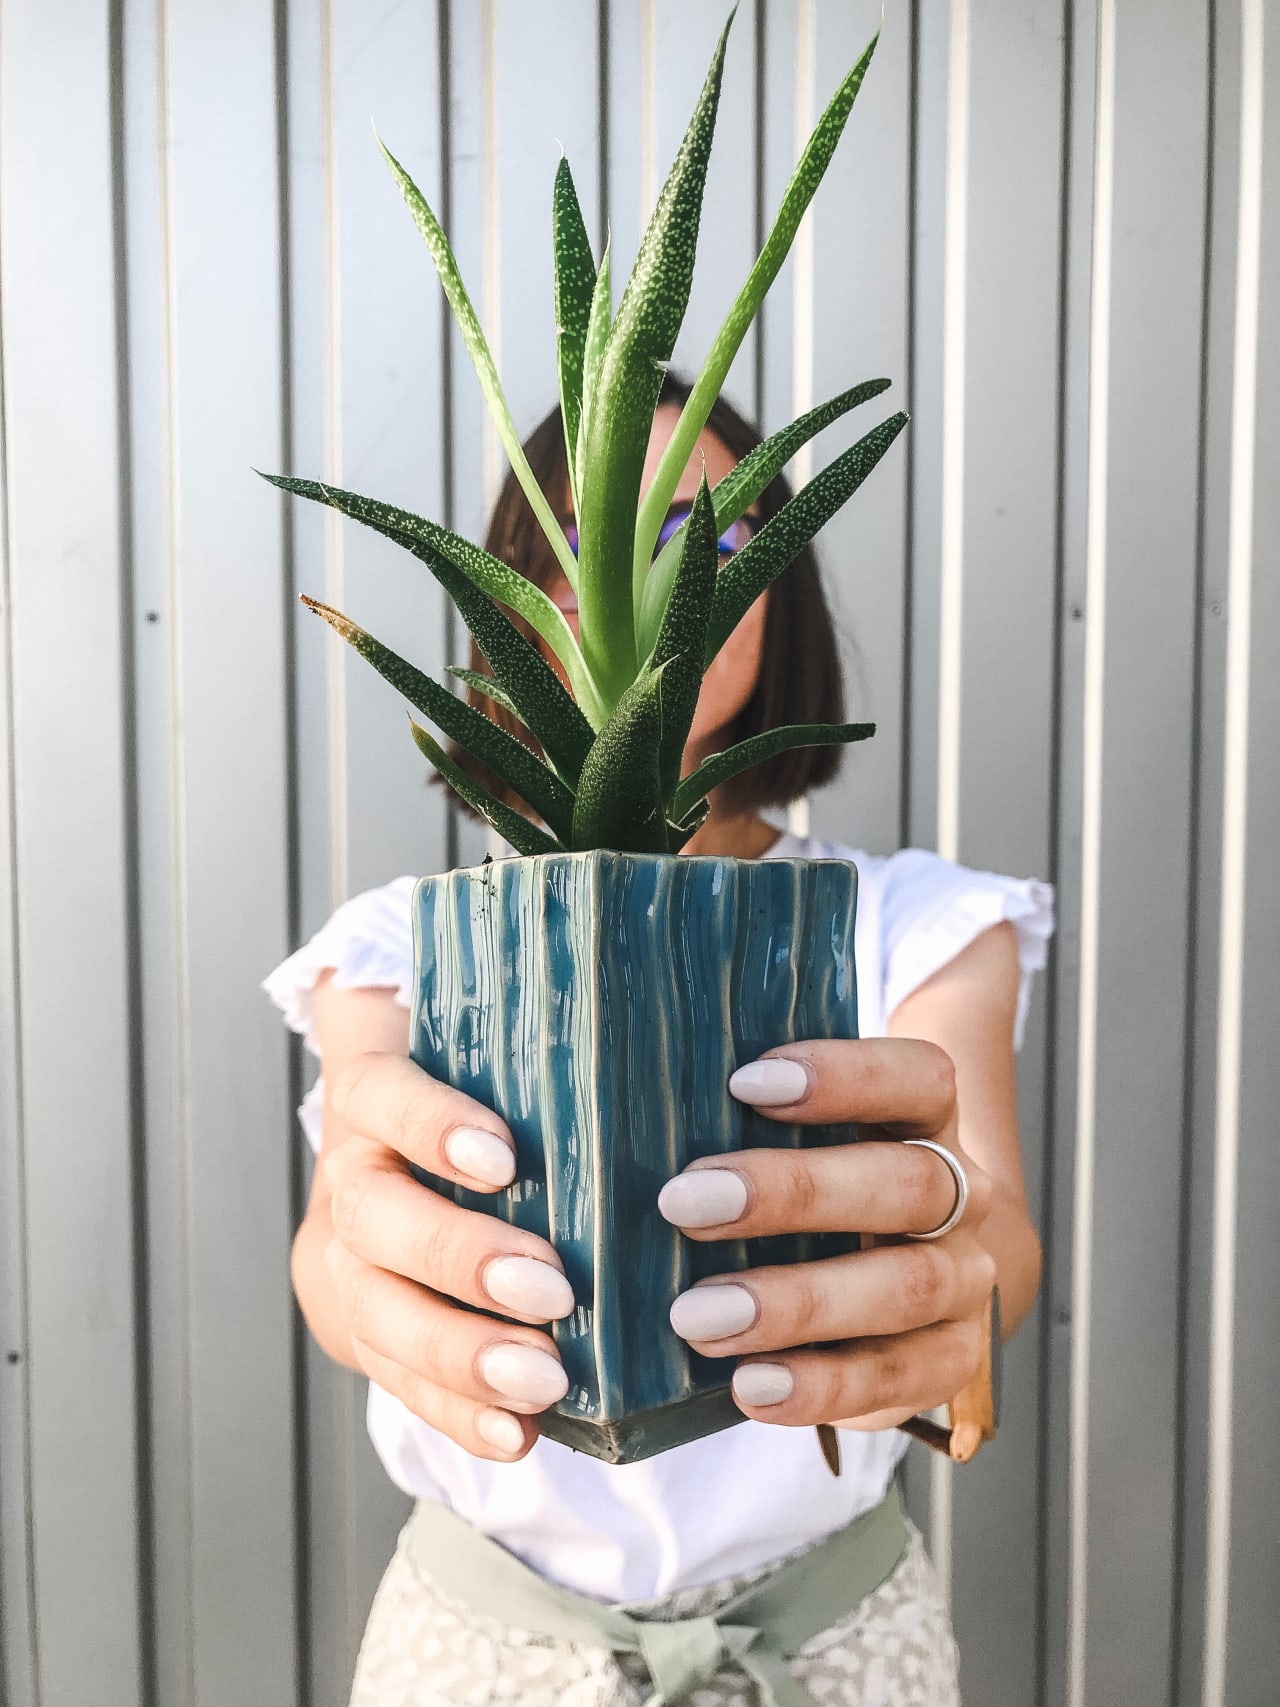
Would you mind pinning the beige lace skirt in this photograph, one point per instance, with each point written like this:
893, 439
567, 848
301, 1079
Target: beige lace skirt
423, 1647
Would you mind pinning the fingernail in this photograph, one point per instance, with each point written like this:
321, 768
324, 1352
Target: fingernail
770, 1084
524, 1372
500, 1429
480, 1155
763, 1383
530, 1287
713, 1312
703, 1197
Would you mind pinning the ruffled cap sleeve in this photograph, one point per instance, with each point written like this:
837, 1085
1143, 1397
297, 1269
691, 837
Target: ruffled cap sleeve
368, 944
931, 909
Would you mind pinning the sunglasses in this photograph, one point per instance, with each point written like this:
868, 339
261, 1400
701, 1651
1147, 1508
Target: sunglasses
734, 537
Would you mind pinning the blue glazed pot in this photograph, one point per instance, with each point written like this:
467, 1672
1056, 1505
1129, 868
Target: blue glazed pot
599, 1002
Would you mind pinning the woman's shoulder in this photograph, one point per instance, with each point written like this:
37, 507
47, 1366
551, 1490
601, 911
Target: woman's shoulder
929, 908
367, 942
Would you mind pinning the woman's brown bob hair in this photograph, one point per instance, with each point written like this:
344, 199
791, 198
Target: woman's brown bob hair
800, 678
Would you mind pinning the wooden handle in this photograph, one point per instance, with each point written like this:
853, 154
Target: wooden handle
974, 1413
973, 1410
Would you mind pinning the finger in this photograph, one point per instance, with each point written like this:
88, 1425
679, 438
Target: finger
888, 1290
390, 1099
472, 1355
486, 1431
384, 1216
868, 1187
904, 1084
903, 1372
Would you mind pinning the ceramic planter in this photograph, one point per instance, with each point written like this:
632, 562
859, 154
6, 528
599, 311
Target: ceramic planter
599, 1002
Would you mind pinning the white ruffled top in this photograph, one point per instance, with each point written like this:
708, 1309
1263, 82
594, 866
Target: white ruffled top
756, 1491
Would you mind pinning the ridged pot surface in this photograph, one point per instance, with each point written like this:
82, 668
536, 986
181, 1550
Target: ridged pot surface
599, 1002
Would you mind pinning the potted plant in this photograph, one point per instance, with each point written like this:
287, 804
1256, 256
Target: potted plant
598, 990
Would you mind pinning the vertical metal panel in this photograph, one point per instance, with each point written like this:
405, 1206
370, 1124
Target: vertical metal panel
387, 353
1247, 1555
17, 1606
670, 43
537, 117
1144, 458
1002, 705
164, 1019
207, 378
1079, 709
231, 874
366, 351
329, 1414
853, 319
469, 167
1058, 1184
931, 87
71, 841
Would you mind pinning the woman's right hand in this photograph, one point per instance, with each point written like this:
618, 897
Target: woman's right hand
400, 1256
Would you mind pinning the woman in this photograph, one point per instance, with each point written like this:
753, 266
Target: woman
381, 1265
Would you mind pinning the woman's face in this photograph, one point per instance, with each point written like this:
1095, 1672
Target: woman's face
731, 678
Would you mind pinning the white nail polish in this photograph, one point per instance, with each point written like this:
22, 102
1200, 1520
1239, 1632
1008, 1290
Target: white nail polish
525, 1373
703, 1197
762, 1383
770, 1084
480, 1155
500, 1429
713, 1312
529, 1287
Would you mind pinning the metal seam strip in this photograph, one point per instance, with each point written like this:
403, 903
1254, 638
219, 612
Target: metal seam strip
648, 114
15, 1097
951, 571
802, 301
336, 679
345, 1395
1234, 851
1090, 853
955, 313
491, 239
180, 900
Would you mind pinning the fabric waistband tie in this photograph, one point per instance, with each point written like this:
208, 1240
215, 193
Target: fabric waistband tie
756, 1630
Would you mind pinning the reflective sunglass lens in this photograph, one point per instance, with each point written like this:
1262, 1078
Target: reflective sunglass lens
732, 539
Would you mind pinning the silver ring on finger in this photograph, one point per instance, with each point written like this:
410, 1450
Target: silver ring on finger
962, 1187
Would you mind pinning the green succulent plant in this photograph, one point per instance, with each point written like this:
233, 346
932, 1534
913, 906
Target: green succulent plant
612, 745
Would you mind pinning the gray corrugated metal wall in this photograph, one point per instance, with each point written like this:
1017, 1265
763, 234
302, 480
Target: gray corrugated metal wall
1058, 227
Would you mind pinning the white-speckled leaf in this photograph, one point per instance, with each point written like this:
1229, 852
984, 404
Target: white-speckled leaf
482, 359
749, 571
734, 495
799, 192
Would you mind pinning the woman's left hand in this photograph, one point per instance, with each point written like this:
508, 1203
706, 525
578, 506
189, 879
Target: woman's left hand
868, 1339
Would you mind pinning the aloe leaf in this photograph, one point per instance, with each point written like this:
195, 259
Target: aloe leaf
598, 324
552, 717
575, 274
483, 684
693, 417
689, 825
490, 574
641, 339
734, 495
683, 634
619, 802
520, 769
481, 356
784, 536
512, 826
753, 751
